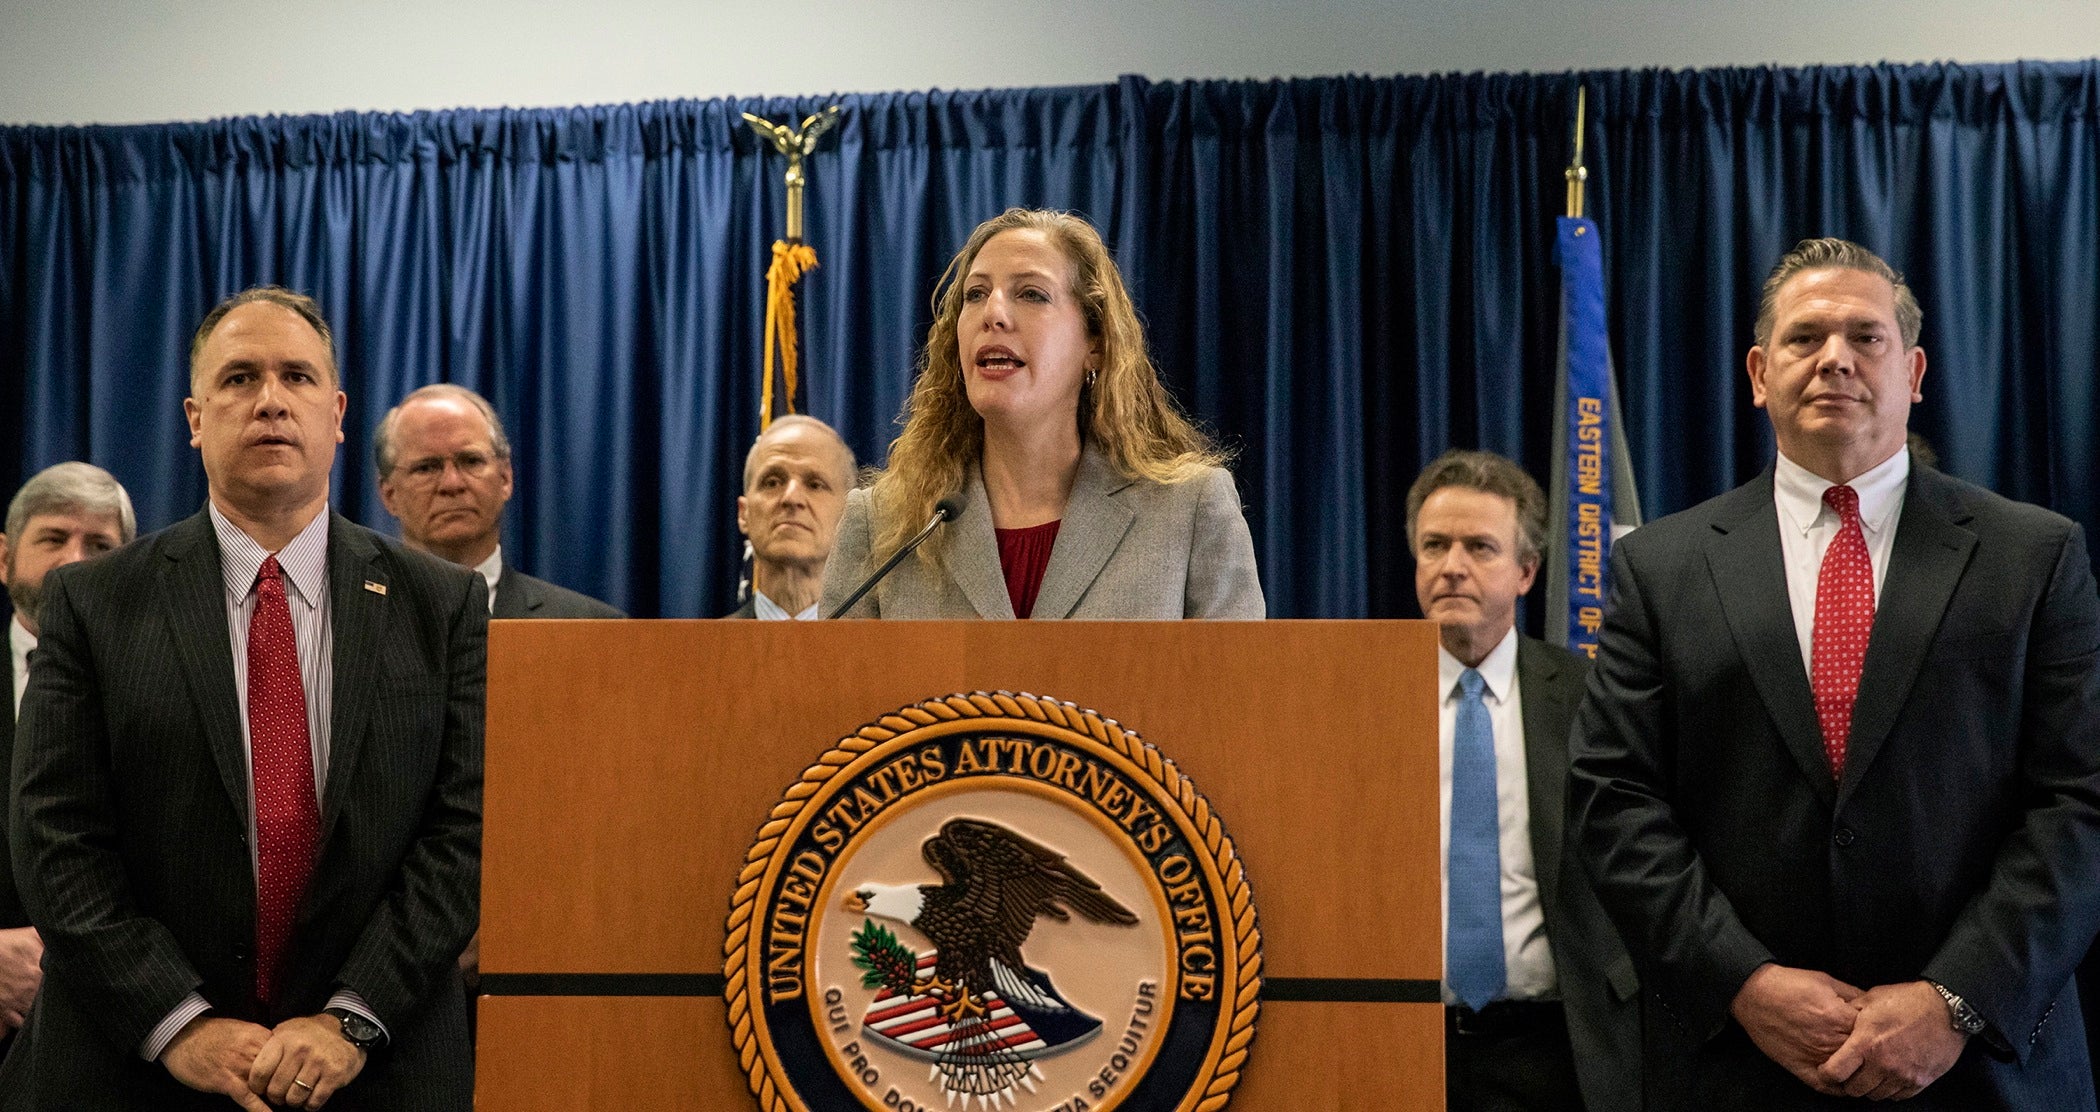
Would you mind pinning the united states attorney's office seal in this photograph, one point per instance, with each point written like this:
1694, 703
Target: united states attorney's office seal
992, 901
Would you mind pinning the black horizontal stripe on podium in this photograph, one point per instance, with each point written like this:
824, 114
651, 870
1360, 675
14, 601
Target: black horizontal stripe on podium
1322, 990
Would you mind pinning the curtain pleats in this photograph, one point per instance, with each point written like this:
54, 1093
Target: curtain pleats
1341, 277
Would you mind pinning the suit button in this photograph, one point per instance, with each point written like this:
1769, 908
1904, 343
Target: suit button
241, 952
1844, 836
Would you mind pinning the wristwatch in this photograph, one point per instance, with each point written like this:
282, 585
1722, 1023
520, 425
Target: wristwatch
362, 1033
1960, 1015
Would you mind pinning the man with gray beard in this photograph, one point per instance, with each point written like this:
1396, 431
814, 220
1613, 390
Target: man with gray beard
67, 513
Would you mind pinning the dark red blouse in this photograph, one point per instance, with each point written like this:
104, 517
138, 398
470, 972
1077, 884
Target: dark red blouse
1023, 554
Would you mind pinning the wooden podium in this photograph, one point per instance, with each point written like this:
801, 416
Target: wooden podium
630, 764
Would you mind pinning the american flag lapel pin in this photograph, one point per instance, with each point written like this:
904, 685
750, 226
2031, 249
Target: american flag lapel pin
376, 588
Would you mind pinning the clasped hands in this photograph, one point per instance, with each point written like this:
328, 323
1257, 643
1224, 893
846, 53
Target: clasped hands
1884, 1043
21, 974
298, 1064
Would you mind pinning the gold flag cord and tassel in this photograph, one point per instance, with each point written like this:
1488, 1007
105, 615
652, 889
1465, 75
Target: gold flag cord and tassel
792, 258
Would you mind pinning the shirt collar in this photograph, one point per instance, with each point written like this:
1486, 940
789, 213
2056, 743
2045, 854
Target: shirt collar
20, 640
769, 611
491, 570
1499, 668
304, 559
1799, 492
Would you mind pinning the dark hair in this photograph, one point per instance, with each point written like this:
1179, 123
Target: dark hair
308, 309
1490, 474
1838, 254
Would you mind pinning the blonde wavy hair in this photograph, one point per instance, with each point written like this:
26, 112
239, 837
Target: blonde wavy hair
1125, 412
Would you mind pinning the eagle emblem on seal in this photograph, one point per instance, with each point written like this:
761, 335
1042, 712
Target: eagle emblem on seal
971, 1004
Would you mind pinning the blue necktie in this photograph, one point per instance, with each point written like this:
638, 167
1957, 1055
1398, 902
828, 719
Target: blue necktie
1473, 933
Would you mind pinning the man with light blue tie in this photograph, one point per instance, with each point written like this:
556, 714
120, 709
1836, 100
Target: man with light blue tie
1540, 997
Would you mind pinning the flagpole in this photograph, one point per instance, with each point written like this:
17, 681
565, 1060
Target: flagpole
792, 258
1592, 491
1577, 173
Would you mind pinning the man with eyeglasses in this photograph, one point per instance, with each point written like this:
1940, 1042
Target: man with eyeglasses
444, 472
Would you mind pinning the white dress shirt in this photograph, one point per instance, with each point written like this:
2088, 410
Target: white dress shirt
20, 641
767, 610
491, 570
1525, 951
304, 563
1807, 526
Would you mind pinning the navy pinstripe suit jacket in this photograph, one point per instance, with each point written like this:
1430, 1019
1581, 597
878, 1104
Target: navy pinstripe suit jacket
130, 824
1960, 844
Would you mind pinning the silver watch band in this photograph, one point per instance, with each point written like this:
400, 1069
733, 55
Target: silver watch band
1960, 1016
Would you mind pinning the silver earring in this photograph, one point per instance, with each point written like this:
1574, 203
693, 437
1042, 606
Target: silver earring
1091, 375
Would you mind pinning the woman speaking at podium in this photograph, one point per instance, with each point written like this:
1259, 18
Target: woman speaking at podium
1055, 475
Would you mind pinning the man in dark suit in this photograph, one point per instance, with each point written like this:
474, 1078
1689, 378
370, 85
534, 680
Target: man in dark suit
1541, 1000
444, 472
66, 513
1838, 773
796, 476
248, 779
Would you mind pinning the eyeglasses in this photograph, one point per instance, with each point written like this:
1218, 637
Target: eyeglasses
428, 470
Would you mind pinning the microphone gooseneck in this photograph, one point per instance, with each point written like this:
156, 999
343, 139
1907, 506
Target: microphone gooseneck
945, 510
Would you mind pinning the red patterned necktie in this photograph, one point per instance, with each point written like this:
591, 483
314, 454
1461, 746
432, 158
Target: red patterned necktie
1844, 619
287, 819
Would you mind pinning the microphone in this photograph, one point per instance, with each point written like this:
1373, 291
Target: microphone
947, 509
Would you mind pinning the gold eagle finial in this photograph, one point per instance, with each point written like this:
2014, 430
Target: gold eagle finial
797, 144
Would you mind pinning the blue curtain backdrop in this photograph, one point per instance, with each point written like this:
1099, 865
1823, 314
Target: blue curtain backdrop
1342, 277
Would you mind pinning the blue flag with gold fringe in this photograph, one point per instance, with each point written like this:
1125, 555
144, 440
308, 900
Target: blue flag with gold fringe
1592, 494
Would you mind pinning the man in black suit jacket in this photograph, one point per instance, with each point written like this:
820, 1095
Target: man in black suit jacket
64, 514
796, 476
523, 596
444, 472
1852, 843
142, 820
1563, 1030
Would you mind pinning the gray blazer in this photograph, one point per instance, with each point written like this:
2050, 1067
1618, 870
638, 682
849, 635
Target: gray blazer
1127, 549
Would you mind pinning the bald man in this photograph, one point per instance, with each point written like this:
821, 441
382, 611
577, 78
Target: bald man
795, 481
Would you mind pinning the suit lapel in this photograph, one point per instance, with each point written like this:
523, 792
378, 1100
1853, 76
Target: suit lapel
1094, 524
971, 557
1749, 574
1544, 687
356, 616
1931, 550
516, 596
196, 616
